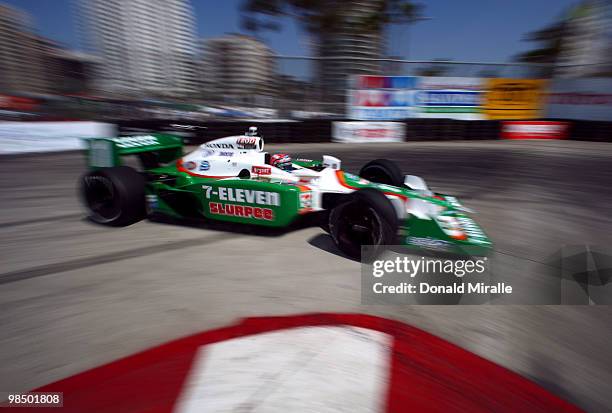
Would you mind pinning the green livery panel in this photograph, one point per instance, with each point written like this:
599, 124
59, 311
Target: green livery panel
251, 202
426, 233
237, 200
107, 152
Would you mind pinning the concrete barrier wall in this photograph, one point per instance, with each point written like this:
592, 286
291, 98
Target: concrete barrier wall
319, 130
23, 137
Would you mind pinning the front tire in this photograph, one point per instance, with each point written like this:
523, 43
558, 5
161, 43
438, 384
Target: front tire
366, 218
114, 196
382, 171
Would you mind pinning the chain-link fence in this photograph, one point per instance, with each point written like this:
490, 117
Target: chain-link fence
275, 87
311, 87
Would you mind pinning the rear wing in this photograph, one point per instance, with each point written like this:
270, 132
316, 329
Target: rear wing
153, 150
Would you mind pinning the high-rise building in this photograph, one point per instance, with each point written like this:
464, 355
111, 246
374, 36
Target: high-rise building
237, 68
144, 47
22, 68
68, 71
345, 50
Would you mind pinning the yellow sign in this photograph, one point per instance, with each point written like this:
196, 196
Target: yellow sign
513, 98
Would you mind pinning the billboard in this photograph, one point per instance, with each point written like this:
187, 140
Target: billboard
381, 97
513, 98
533, 129
583, 99
18, 103
388, 98
359, 132
449, 97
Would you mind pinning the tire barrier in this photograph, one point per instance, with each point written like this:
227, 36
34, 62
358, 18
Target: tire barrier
594, 131
320, 130
195, 133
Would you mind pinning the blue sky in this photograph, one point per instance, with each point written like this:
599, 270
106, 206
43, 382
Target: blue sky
478, 30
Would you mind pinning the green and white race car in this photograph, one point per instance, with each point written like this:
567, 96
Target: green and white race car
232, 179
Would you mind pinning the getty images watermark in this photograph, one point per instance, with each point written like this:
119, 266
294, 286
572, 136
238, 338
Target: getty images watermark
395, 278
579, 275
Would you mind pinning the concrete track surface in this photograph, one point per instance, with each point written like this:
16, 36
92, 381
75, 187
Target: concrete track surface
74, 295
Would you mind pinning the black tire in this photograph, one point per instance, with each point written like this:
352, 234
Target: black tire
382, 171
324, 221
367, 218
114, 196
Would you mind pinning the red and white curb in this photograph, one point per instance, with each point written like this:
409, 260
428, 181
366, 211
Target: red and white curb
322, 369
306, 363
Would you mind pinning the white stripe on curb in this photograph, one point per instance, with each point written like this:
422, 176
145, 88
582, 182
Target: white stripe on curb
310, 369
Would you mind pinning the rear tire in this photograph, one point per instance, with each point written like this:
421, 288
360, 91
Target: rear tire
367, 218
382, 171
114, 196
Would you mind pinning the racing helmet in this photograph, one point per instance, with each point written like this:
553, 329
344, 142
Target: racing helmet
281, 161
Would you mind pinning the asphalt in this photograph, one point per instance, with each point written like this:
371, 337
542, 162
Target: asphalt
74, 295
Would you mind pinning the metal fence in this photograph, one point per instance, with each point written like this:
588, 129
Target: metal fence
303, 87
303, 67
292, 87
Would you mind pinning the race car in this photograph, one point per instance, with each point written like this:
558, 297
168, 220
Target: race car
232, 179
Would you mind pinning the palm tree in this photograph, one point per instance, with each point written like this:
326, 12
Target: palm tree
318, 17
347, 36
549, 45
550, 40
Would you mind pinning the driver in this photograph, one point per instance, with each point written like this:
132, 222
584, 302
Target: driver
281, 161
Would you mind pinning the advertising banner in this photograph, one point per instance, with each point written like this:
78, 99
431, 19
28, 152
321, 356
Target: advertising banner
581, 99
513, 98
450, 97
17, 103
534, 130
21, 137
381, 97
359, 132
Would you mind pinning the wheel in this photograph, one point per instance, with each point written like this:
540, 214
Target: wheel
114, 196
324, 221
367, 218
382, 171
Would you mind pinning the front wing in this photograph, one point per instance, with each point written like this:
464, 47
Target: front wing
429, 234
